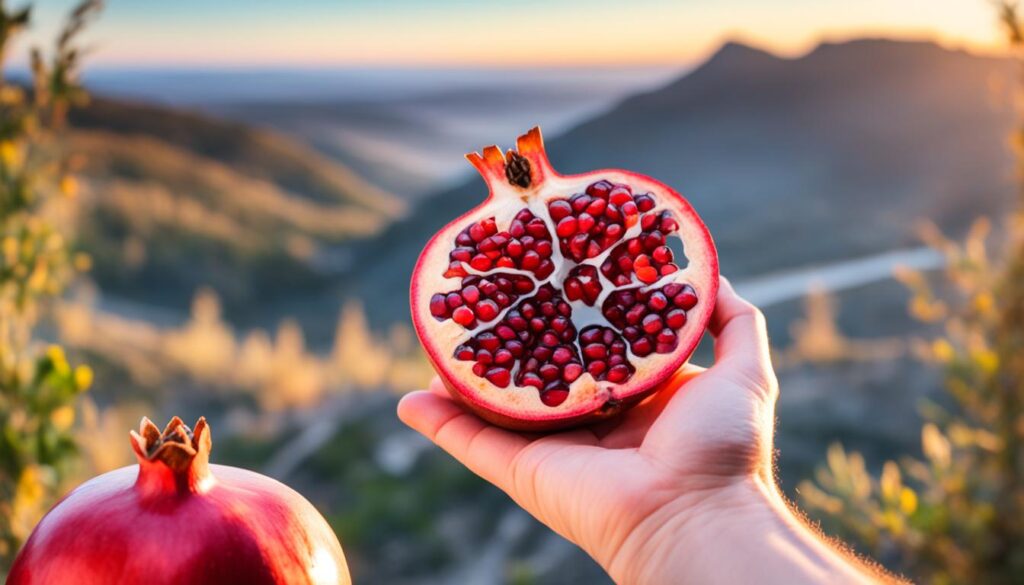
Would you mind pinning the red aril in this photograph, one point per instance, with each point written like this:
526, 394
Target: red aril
559, 300
174, 518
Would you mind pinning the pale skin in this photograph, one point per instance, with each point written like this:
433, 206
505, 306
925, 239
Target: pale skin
680, 489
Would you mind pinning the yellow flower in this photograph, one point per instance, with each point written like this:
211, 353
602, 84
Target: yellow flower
908, 501
69, 186
10, 155
987, 360
943, 351
58, 359
983, 302
83, 377
63, 417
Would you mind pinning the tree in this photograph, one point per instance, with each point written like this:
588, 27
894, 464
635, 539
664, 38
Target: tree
38, 387
955, 514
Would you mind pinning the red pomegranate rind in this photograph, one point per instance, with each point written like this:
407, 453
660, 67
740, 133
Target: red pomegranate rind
605, 322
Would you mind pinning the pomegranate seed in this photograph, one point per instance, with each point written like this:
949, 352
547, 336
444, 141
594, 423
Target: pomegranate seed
647, 274
631, 333
590, 335
620, 195
537, 324
634, 315
453, 300
593, 249
479, 369
594, 351
667, 336
566, 227
514, 347
599, 189
561, 356
559, 324
579, 202
596, 207
642, 347
675, 318
685, 300
531, 379
463, 316
662, 254
488, 341
500, 377
554, 396
480, 262
613, 231
548, 372
542, 353
658, 301
585, 222
596, 368
634, 247
484, 357
648, 221
464, 353
476, 231
644, 202
543, 249
438, 306
612, 212
516, 229
461, 254
618, 373
531, 260
654, 240
487, 310
558, 209
514, 248
668, 223
629, 209
471, 295
463, 239
505, 332
537, 228
571, 372
652, 323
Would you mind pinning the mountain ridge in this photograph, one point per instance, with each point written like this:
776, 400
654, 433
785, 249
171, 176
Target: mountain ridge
783, 156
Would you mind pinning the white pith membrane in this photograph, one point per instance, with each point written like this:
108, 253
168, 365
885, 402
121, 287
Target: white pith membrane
586, 394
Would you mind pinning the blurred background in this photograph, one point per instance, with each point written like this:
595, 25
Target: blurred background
214, 208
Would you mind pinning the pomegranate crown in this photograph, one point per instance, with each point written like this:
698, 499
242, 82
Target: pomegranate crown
523, 167
177, 446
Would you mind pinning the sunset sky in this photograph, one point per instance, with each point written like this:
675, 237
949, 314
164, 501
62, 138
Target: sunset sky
211, 33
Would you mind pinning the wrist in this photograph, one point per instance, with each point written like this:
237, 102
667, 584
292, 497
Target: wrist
738, 533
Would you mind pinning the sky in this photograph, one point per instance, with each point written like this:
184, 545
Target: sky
430, 33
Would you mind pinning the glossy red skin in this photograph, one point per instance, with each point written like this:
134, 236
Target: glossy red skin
489, 169
244, 529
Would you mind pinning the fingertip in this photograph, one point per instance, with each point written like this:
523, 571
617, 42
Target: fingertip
414, 408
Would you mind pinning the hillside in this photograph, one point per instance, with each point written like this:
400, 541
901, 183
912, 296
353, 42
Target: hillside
832, 155
177, 200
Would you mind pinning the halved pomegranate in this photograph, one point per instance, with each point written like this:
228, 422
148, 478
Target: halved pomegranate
560, 300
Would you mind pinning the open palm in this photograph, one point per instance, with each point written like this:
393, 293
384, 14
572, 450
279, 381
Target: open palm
610, 488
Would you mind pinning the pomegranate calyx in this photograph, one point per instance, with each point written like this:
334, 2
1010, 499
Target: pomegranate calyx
176, 458
517, 169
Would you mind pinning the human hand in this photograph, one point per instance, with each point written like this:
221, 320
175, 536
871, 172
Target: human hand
642, 492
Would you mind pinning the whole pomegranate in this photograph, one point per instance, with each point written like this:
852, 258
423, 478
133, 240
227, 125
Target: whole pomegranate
560, 299
175, 519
